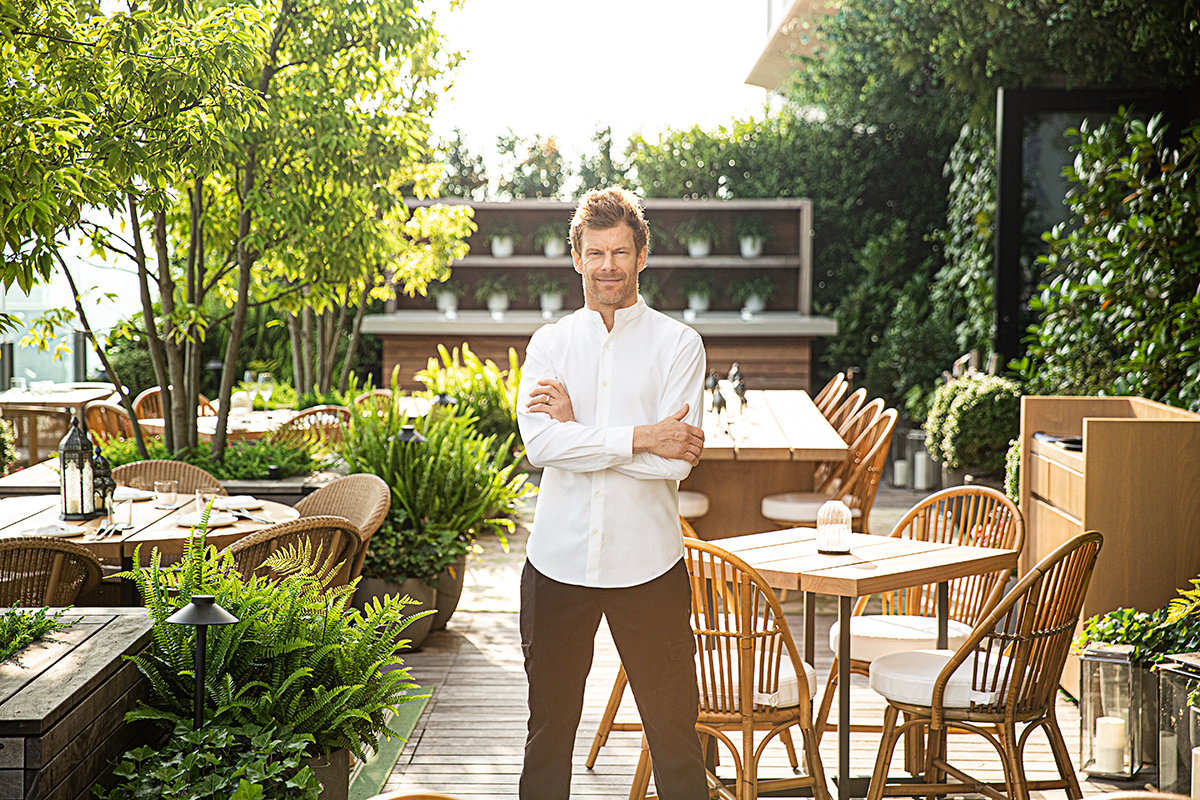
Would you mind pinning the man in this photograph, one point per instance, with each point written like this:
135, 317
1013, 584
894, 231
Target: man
613, 413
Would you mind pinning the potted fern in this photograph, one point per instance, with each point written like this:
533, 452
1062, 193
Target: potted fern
699, 288
503, 237
752, 232
495, 291
549, 291
650, 289
550, 240
753, 292
699, 236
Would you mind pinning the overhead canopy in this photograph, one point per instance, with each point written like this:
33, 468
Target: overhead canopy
795, 36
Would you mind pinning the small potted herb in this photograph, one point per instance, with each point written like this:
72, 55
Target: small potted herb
446, 296
549, 290
752, 232
495, 291
753, 292
699, 288
649, 289
551, 240
503, 236
698, 235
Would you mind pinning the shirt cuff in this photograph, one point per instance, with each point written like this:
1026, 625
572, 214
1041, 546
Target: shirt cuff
618, 442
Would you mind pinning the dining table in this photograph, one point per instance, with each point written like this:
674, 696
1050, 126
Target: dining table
250, 426
768, 445
150, 526
789, 559
55, 396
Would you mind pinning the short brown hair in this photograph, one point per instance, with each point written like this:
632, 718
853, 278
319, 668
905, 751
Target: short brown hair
601, 209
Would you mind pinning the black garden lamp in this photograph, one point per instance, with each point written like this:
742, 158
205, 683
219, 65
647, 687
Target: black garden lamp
201, 612
103, 483
409, 433
76, 486
442, 399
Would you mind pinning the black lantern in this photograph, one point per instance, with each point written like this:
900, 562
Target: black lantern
75, 477
409, 433
443, 399
103, 483
201, 612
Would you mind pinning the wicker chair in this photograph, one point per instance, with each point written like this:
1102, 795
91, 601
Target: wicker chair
843, 415
336, 536
1006, 673
38, 431
148, 405
143, 474
379, 399
971, 515
38, 571
319, 427
750, 673
854, 484
827, 399
825, 472
107, 420
363, 499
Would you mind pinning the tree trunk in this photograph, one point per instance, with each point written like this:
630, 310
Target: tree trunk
297, 367
306, 346
174, 395
355, 337
154, 343
329, 354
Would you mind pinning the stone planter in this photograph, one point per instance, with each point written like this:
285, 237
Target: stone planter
449, 590
554, 248
415, 588
334, 774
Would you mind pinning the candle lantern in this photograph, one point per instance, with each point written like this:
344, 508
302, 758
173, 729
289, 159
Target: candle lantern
75, 477
1179, 724
103, 484
833, 528
1110, 711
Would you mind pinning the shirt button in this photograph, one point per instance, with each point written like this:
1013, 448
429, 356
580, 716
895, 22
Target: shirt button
604, 383
597, 494
595, 530
606, 347
602, 419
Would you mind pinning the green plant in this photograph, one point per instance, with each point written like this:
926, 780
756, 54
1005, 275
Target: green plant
540, 283
698, 283
981, 421
19, 627
752, 226
450, 285
935, 421
548, 233
8, 445
447, 491
761, 286
244, 461
1012, 471
482, 391
698, 229
218, 762
299, 655
1152, 635
501, 230
494, 285
650, 289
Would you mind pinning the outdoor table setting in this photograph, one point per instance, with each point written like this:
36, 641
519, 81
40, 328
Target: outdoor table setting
771, 444
49, 395
248, 426
789, 559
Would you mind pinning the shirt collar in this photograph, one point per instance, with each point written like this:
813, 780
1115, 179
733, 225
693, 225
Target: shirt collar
622, 316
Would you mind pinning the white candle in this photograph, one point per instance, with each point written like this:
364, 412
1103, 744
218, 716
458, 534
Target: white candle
72, 499
1167, 745
900, 472
1110, 744
1196, 772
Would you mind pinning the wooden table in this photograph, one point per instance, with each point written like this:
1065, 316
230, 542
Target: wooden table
788, 559
253, 426
74, 398
771, 446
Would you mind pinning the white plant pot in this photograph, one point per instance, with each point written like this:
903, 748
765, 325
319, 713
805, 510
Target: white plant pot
551, 303
754, 305
751, 246
447, 301
697, 303
698, 248
502, 246
498, 302
554, 248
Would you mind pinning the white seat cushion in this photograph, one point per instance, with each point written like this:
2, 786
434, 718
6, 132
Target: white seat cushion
875, 635
693, 505
797, 506
909, 677
788, 695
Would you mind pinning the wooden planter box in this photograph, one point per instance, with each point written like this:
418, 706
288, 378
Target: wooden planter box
63, 704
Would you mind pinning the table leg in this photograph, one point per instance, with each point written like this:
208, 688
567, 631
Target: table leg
810, 628
843, 698
129, 590
943, 615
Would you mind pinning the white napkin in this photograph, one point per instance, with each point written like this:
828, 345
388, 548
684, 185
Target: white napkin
130, 493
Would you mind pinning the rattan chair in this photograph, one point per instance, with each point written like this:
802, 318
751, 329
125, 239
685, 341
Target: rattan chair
106, 420
379, 399
148, 405
970, 515
824, 472
829, 396
843, 414
37, 430
364, 499
143, 474
750, 673
1006, 673
854, 484
336, 536
320, 427
38, 571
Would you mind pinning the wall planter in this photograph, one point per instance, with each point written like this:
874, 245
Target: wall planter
417, 589
750, 246
551, 304
449, 590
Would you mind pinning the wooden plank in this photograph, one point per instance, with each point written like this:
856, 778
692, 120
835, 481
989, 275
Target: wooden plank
735, 490
35, 659
756, 434
119, 692
869, 577
809, 434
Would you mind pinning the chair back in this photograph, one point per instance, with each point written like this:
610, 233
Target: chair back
337, 537
143, 474
364, 499
320, 427
742, 637
825, 472
38, 571
379, 399
841, 416
204, 407
856, 482
148, 404
968, 515
1019, 649
37, 430
827, 399
686, 528
106, 420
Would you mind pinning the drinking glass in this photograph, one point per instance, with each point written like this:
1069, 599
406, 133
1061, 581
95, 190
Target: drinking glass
121, 514
266, 385
250, 381
204, 497
19, 384
167, 494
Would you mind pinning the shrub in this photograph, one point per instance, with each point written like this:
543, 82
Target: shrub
244, 461
1012, 471
20, 627
481, 390
8, 446
935, 421
982, 419
1152, 635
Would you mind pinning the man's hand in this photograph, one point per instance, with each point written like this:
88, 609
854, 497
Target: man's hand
550, 397
670, 438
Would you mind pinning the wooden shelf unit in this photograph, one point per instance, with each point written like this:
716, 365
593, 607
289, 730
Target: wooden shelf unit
1136, 481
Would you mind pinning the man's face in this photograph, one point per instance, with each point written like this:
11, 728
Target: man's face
609, 265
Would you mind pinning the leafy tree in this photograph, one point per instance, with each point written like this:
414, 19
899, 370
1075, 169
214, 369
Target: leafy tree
600, 170
466, 175
532, 167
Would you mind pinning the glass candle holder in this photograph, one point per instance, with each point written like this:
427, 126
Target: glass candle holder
833, 528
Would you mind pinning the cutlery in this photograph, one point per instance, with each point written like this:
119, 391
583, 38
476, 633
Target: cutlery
251, 517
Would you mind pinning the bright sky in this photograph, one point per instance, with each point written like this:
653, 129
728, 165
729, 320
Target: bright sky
564, 67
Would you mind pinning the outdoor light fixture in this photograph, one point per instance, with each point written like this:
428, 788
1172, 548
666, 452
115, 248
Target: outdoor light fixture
408, 433
443, 399
833, 528
1110, 709
201, 612
75, 478
102, 484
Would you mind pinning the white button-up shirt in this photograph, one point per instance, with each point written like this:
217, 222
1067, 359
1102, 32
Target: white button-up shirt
605, 516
